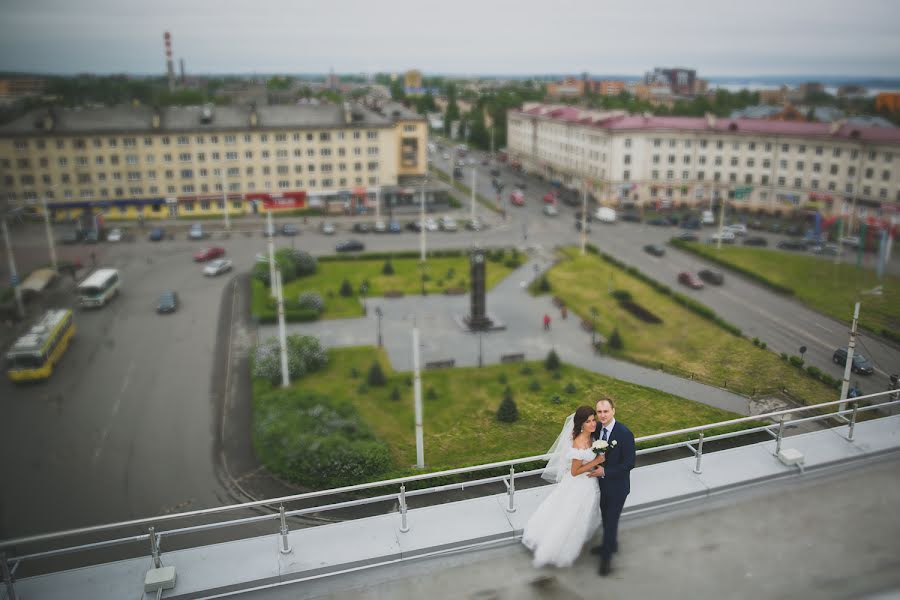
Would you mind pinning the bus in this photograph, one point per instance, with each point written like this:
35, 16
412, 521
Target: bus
99, 287
32, 356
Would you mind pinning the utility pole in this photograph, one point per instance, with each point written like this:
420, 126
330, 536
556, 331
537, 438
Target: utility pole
378, 204
417, 395
472, 211
13, 275
845, 385
50, 243
422, 227
225, 201
721, 220
583, 218
282, 333
269, 231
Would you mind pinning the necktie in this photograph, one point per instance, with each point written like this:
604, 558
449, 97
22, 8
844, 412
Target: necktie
603, 436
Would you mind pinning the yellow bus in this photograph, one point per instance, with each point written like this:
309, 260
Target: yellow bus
33, 356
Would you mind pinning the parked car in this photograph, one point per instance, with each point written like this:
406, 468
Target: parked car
380, 227
851, 241
792, 245
860, 364
605, 214
91, 236
208, 254
327, 228
775, 227
688, 237
289, 229
394, 227
578, 226
156, 234
114, 235
167, 303
522, 185
658, 222
517, 198
727, 237
707, 218
550, 210
448, 224
350, 246
755, 240
690, 280
655, 249
474, 224
737, 229
794, 230
414, 226
689, 223
196, 232
71, 237
217, 267
457, 173
755, 224
550, 198
712, 277
361, 228
827, 249
495, 172
430, 224
631, 217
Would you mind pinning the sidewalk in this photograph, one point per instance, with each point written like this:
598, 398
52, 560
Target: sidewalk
442, 338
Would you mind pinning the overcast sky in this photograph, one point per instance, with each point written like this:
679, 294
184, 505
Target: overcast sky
717, 37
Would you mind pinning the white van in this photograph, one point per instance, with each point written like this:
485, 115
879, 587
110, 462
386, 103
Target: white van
605, 214
99, 288
708, 218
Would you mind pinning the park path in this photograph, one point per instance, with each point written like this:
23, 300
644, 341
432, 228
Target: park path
442, 337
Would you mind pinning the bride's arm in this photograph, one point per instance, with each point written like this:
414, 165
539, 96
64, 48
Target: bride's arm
578, 468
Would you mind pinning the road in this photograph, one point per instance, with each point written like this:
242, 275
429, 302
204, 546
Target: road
128, 426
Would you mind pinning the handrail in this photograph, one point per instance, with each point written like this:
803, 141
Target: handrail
402, 481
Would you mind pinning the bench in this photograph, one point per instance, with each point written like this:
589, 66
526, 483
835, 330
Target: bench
512, 358
456, 291
440, 364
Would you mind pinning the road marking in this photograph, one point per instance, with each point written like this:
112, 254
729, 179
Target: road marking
823, 327
799, 332
115, 409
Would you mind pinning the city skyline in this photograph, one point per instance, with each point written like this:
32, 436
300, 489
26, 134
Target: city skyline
769, 38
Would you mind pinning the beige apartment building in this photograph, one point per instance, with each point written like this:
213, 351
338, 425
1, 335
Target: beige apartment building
127, 162
765, 166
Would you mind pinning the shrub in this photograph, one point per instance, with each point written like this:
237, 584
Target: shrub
311, 300
408, 381
784, 356
763, 345
512, 263
796, 361
354, 372
508, 411
534, 386
376, 375
388, 268
430, 394
556, 375
543, 284
615, 340
362, 389
261, 273
304, 262
502, 379
756, 341
556, 399
305, 355
622, 295
526, 370
551, 363
395, 394
570, 388
451, 273
346, 288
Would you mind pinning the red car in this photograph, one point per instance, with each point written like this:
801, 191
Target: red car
690, 280
209, 254
550, 198
517, 198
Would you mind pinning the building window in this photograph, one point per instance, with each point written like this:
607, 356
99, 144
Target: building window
765, 180
836, 153
751, 163
800, 165
187, 173
230, 139
628, 142
372, 135
627, 159
748, 178
781, 181
785, 147
869, 173
685, 175
183, 140
885, 175
231, 156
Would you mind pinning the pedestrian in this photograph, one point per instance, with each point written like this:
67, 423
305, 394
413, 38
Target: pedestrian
546, 322
613, 477
564, 311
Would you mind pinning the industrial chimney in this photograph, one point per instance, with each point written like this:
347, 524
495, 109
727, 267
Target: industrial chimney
183, 76
170, 68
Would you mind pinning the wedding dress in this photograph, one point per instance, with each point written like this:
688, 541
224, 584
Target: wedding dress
570, 515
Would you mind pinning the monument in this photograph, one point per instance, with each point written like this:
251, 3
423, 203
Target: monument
477, 320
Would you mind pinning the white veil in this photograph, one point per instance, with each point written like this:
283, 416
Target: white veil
557, 465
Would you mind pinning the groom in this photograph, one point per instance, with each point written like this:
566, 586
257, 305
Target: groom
614, 478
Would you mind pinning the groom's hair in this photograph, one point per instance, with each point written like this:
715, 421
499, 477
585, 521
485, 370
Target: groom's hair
612, 403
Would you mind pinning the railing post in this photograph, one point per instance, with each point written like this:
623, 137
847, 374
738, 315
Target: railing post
852, 421
511, 507
7, 578
403, 526
154, 548
780, 435
285, 543
697, 468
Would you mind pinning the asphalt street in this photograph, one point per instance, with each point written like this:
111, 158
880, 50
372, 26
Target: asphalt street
129, 425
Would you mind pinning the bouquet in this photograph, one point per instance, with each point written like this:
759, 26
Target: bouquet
602, 446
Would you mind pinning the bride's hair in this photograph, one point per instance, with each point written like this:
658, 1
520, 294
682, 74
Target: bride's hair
582, 413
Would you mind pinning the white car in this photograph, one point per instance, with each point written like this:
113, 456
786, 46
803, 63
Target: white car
217, 267
380, 227
550, 210
727, 236
737, 229
430, 224
448, 224
445, 156
114, 235
605, 214
328, 228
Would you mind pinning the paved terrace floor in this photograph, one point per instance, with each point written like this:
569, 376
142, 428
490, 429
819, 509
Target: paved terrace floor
746, 527
442, 337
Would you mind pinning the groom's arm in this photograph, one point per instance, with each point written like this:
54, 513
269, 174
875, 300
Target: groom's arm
626, 447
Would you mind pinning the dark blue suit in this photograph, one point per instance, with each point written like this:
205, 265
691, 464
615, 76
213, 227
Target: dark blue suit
615, 485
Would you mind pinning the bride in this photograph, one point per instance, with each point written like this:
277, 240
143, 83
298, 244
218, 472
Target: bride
568, 517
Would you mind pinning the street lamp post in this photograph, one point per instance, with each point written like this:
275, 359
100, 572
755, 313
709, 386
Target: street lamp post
480, 349
13, 275
379, 313
50, 243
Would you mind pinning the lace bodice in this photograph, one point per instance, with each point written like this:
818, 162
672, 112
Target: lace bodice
586, 455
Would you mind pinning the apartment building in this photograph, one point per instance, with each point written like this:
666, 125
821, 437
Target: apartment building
131, 161
766, 166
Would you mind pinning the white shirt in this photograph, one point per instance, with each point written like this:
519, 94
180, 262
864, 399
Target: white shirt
608, 429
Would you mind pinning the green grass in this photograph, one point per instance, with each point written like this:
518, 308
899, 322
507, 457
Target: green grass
684, 342
406, 278
827, 287
460, 422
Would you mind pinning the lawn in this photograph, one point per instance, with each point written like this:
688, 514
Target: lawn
683, 341
827, 287
442, 273
460, 413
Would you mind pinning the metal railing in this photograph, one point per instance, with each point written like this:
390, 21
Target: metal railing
838, 409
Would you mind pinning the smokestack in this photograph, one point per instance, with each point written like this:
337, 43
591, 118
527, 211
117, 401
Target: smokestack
170, 68
183, 76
